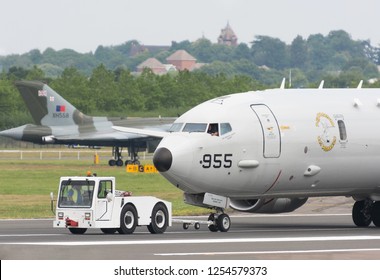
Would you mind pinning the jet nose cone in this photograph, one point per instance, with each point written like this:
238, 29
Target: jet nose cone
162, 159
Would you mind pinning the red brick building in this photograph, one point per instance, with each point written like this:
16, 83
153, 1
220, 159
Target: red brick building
182, 60
153, 64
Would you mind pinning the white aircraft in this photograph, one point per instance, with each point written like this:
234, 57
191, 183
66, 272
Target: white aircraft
269, 151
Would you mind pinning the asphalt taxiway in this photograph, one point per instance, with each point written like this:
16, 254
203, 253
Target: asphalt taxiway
290, 236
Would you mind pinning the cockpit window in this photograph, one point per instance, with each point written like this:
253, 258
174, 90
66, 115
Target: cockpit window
176, 127
213, 129
195, 127
225, 128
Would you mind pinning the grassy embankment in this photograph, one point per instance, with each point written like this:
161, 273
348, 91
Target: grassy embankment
25, 185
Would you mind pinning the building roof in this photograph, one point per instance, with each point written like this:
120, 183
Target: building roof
180, 55
227, 36
151, 63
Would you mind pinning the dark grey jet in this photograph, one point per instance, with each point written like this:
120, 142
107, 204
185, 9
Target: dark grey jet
59, 122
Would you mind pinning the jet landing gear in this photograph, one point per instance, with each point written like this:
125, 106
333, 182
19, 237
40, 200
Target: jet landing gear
366, 211
134, 159
117, 159
219, 222
216, 222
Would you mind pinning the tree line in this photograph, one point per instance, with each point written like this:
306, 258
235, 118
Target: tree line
103, 83
120, 93
266, 59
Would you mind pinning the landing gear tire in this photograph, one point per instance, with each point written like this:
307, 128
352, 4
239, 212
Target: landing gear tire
159, 219
197, 226
223, 222
361, 214
77, 230
108, 230
128, 219
212, 227
117, 158
135, 162
375, 213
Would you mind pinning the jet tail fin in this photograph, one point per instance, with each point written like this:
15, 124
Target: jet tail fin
46, 106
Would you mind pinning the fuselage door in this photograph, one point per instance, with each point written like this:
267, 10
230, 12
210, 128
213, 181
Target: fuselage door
270, 129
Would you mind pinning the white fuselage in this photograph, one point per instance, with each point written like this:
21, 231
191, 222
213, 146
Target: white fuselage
281, 143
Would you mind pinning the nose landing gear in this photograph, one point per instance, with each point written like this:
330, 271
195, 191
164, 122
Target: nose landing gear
366, 211
220, 222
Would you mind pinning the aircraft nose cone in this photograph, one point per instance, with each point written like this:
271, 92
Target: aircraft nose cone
162, 159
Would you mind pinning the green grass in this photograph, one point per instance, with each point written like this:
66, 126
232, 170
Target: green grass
25, 185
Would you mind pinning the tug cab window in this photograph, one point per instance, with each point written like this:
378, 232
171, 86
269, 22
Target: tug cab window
76, 193
105, 187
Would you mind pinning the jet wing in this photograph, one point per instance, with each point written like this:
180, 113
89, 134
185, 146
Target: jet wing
142, 132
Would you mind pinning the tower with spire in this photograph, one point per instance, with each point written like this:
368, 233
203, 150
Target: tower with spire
227, 36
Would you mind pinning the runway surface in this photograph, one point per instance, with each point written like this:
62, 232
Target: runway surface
266, 237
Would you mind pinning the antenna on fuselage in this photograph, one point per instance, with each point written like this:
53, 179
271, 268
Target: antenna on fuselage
321, 84
283, 83
360, 84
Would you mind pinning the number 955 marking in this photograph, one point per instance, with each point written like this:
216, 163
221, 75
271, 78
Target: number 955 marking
216, 161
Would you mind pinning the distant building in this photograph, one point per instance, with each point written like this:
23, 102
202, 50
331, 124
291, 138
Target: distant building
182, 60
227, 36
153, 64
178, 61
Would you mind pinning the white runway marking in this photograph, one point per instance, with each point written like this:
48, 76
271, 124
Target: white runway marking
31, 235
271, 252
201, 241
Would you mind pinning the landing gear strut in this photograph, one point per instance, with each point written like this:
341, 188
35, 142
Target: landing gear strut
366, 211
134, 158
117, 159
220, 222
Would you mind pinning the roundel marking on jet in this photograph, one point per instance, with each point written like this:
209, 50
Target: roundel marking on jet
325, 140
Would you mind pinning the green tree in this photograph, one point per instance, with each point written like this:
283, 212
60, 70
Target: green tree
171, 96
298, 53
12, 108
150, 90
202, 50
104, 90
35, 56
17, 73
319, 52
74, 87
35, 74
129, 91
241, 52
271, 52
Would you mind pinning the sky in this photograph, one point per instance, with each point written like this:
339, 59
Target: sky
83, 25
